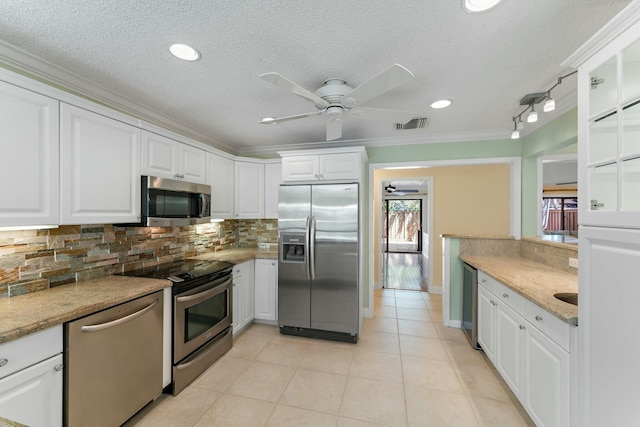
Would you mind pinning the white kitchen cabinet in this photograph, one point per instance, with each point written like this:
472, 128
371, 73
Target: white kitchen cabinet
315, 167
249, 189
266, 290
167, 158
243, 295
221, 178
100, 168
31, 379
517, 336
30, 137
272, 180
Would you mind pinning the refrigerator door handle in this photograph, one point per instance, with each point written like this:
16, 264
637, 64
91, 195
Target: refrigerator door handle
307, 232
312, 248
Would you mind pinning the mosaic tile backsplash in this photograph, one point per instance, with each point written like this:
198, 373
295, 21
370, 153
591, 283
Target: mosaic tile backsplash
32, 260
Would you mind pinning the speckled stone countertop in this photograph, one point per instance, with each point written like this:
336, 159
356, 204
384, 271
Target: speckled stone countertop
8, 423
25, 314
475, 236
535, 281
240, 255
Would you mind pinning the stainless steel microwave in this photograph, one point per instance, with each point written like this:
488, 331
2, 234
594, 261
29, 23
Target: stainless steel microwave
169, 203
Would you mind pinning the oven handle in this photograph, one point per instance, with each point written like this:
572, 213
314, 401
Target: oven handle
107, 325
201, 356
204, 294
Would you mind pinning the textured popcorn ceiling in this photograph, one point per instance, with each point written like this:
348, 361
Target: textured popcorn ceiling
485, 62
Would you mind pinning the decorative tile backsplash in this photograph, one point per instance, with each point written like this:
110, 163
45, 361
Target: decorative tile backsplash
33, 260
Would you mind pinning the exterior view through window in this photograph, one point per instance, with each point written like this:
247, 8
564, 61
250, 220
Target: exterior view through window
403, 225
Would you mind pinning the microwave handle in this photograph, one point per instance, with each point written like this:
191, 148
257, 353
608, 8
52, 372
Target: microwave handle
203, 205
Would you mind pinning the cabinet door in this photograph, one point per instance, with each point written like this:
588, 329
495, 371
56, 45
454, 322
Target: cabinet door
547, 397
249, 183
510, 335
192, 164
238, 295
486, 322
100, 169
340, 166
272, 179
33, 396
160, 156
30, 149
220, 176
300, 168
266, 285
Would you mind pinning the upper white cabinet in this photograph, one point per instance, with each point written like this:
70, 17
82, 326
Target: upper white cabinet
167, 158
317, 165
221, 178
29, 123
249, 183
609, 134
272, 180
100, 168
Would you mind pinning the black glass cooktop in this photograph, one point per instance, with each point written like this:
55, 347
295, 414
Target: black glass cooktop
181, 271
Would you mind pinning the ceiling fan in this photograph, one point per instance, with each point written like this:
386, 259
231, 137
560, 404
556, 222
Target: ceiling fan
335, 97
390, 189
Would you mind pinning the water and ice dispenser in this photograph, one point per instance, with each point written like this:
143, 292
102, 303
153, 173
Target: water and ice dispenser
293, 247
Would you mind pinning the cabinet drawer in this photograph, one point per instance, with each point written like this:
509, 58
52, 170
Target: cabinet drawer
29, 350
557, 330
509, 297
488, 282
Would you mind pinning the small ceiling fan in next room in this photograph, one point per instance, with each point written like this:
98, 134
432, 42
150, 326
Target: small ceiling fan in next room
391, 190
335, 98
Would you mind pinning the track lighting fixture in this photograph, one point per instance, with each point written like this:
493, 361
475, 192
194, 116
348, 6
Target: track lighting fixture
530, 100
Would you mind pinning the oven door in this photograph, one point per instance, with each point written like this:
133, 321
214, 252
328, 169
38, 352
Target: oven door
199, 315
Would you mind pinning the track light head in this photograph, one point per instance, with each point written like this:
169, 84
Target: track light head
532, 117
549, 105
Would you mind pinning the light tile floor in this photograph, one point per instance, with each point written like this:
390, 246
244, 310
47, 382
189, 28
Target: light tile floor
406, 370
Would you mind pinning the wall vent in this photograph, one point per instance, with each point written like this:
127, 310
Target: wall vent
417, 123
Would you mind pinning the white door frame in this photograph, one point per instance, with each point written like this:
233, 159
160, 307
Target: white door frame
515, 205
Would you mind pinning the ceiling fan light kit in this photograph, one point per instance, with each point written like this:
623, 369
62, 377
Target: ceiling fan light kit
530, 100
335, 97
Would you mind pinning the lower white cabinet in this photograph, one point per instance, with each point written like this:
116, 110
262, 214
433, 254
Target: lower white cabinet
266, 291
31, 378
536, 368
243, 295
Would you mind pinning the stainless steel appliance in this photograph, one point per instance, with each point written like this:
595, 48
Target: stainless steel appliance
168, 202
202, 313
113, 363
318, 278
470, 305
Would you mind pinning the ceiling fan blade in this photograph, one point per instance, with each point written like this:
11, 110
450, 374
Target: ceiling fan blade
272, 121
334, 123
377, 85
393, 116
286, 84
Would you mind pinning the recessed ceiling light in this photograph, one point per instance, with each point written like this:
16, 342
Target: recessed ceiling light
184, 52
443, 103
473, 6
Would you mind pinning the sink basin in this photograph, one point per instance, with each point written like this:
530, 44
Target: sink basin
570, 297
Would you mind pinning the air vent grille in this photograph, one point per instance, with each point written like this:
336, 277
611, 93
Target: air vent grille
417, 123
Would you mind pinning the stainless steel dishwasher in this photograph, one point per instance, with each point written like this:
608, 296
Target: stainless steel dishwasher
113, 363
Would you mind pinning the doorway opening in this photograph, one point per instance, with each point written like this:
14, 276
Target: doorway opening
402, 225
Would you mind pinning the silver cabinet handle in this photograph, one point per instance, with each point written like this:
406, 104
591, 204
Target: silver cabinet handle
3, 362
58, 368
316, 175
321, 175
102, 326
484, 280
505, 295
539, 318
522, 328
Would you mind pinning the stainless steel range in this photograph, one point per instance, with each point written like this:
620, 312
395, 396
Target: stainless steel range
202, 304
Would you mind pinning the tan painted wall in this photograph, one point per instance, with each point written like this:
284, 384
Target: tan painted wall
466, 200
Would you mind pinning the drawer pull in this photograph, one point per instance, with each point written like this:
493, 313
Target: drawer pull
484, 281
539, 318
58, 367
3, 362
522, 328
505, 295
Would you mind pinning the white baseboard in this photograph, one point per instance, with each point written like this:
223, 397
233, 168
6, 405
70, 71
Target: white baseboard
454, 324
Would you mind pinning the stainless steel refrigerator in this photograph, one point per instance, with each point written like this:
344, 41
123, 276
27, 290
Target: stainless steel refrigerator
318, 283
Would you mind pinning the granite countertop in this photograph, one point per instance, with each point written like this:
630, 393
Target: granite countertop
240, 255
565, 242
475, 236
25, 314
8, 423
535, 281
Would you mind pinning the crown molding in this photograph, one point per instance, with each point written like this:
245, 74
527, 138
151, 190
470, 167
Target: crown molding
74, 84
612, 29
